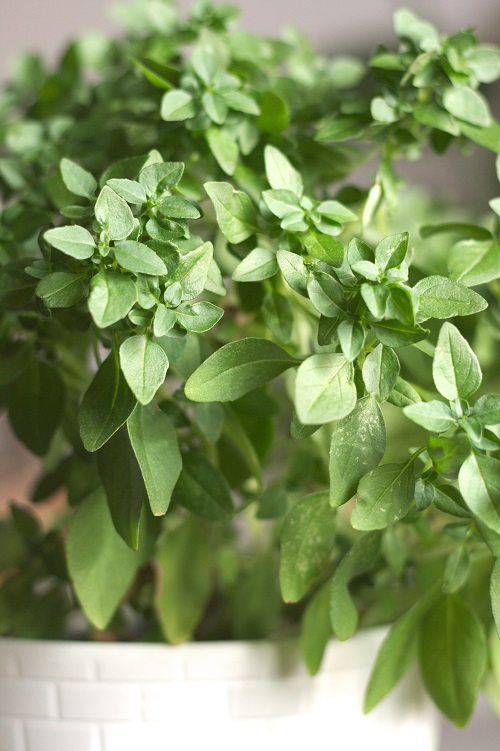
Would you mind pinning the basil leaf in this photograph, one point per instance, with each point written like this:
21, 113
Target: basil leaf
192, 271
101, 565
351, 339
455, 368
138, 258
433, 415
224, 147
440, 297
203, 490
112, 296
324, 389
316, 629
130, 190
280, 173
154, 442
294, 270
76, 179
259, 264
391, 251
106, 405
380, 372
479, 482
452, 657
234, 211
282, 203
306, 543
396, 334
357, 446
160, 176
60, 289
467, 104
473, 262
384, 496
403, 394
487, 410
113, 214
237, 368
144, 365
277, 313
495, 593
177, 105
75, 241
360, 558
201, 316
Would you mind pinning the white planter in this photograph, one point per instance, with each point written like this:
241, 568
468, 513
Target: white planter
234, 696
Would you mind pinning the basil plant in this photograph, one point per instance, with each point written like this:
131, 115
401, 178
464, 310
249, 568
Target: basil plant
264, 379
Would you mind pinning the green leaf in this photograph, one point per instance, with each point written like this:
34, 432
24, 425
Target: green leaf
456, 570
397, 651
138, 258
101, 565
106, 405
380, 372
440, 297
486, 410
36, 405
455, 368
351, 338
277, 313
324, 389
192, 271
294, 270
384, 496
112, 296
280, 173
327, 295
452, 657
259, 264
435, 416
237, 368
325, 248
163, 321
224, 147
176, 207
177, 105
403, 394
468, 105
316, 629
204, 64
214, 106
241, 102
336, 211
306, 542
114, 214
357, 446
157, 74
360, 558
75, 241
274, 116
282, 203
160, 176
203, 490
479, 483
495, 593
474, 262
487, 137
185, 560
144, 365
154, 442
200, 317
60, 289
122, 481
234, 211
448, 453
130, 190
396, 334
436, 117
76, 179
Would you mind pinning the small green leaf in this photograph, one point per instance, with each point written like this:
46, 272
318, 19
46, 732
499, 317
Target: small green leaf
277, 313
324, 389
112, 296
294, 270
215, 107
468, 105
200, 317
237, 368
156, 449
224, 147
403, 394
336, 211
435, 416
138, 258
487, 409
186, 562
241, 102
306, 543
122, 481
177, 105
60, 289
144, 365
440, 297
351, 339
130, 190
452, 657
380, 372
357, 446
474, 262
391, 251
76, 179
325, 248
282, 203
396, 334
75, 241
204, 64
327, 295
160, 176
280, 173
203, 490
384, 496
101, 565
259, 264
114, 214
106, 405
479, 483
360, 558
316, 629
176, 207
456, 570
455, 369
274, 116
163, 321
234, 211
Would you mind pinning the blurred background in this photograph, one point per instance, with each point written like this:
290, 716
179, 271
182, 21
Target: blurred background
354, 27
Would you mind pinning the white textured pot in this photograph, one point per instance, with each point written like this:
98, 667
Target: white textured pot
249, 696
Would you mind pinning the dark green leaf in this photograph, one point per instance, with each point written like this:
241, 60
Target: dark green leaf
202, 489
60, 289
384, 496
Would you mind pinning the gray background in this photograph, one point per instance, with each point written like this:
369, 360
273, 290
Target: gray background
354, 27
